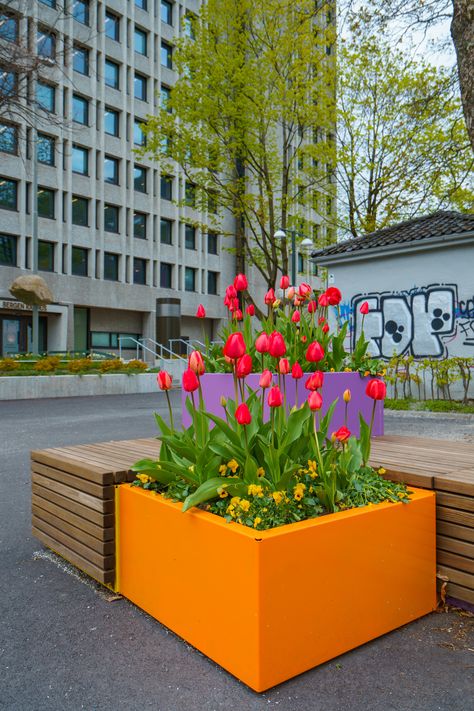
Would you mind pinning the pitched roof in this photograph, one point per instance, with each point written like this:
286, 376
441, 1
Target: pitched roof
419, 229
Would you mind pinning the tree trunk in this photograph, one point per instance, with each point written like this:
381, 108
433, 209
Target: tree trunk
462, 33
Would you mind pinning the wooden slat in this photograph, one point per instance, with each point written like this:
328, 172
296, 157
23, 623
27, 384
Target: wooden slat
457, 576
90, 459
104, 562
102, 547
462, 533
101, 505
104, 521
424, 481
456, 482
454, 516
103, 576
455, 501
73, 465
459, 592
99, 532
451, 560
455, 546
101, 492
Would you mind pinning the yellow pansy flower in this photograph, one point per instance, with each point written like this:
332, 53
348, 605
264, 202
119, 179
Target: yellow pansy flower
223, 469
260, 472
277, 497
244, 505
255, 490
233, 465
256, 521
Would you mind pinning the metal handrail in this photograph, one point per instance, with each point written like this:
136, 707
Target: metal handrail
138, 345
162, 349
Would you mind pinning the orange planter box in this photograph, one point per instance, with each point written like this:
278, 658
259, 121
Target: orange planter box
268, 605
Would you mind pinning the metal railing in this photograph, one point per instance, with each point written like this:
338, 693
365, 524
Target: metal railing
138, 345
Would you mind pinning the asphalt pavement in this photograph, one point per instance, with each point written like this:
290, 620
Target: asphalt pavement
67, 644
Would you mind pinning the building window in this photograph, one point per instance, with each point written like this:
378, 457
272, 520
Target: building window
111, 170
80, 60
139, 225
212, 203
167, 12
8, 194
8, 27
111, 218
212, 242
8, 84
80, 160
8, 138
166, 187
111, 121
80, 110
141, 4
45, 44
139, 179
80, 211
105, 339
300, 263
139, 137
165, 94
46, 256
139, 87
139, 271
212, 282
8, 248
140, 41
189, 279
46, 203
190, 194
166, 55
189, 21
112, 74
112, 26
80, 11
111, 266
46, 96
45, 148
166, 275
189, 237
49, 3
79, 261
166, 231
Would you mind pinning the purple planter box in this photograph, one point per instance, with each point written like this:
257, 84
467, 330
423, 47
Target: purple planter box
216, 385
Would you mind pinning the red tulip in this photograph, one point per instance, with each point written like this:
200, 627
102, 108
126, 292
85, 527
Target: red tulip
266, 379
284, 366
364, 308
231, 291
376, 389
342, 434
235, 346
315, 381
244, 366
238, 315
275, 398
201, 311
290, 293
312, 306
304, 290
297, 301
233, 304
269, 297
262, 343
296, 318
321, 320
164, 380
242, 415
277, 346
315, 400
334, 296
250, 310
325, 328
315, 352
284, 282
296, 371
303, 339
190, 381
196, 363
323, 300
240, 282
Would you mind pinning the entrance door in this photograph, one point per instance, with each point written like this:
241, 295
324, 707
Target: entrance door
81, 329
10, 336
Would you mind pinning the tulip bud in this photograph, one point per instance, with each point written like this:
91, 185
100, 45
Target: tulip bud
376, 389
277, 346
266, 379
231, 291
296, 371
290, 293
269, 297
296, 318
284, 282
244, 366
364, 308
190, 381
284, 366
323, 300
325, 328
250, 310
312, 306
240, 282
223, 401
315, 381
242, 415
262, 343
304, 290
321, 320
196, 363
201, 311
315, 400
164, 380
275, 398
238, 315
276, 303
315, 352
235, 346
346, 395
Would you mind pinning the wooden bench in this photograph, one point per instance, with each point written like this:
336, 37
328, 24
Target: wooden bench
74, 499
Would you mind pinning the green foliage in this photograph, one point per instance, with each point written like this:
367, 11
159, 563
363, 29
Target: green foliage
432, 377
8, 365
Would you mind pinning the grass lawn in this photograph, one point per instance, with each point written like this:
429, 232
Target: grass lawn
430, 405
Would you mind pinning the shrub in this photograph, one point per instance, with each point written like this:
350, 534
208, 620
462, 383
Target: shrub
48, 364
8, 364
80, 365
137, 366
112, 366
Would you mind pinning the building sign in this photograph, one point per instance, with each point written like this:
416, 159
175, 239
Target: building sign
18, 306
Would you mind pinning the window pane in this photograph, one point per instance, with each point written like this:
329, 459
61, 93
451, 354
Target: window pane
139, 179
112, 74
80, 210
100, 339
49, 3
45, 44
190, 194
112, 26
300, 263
79, 261
46, 256
8, 194
139, 225
166, 273
111, 218
139, 87
139, 138
212, 243
166, 12
111, 122
45, 149
190, 279
45, 96
80, 110
165, 93
166, 227
189, 237
80, 11
8, 250
166, 55
111, 170
8, 27
166, 187
111, 263
80, 60
188, 22
140, 41
142, 4
8, 138
139, 271
46, 203
80, 160
212, 282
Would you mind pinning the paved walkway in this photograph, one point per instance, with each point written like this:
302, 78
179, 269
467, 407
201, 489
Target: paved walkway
64, 645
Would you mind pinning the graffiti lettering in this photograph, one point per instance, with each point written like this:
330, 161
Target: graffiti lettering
467, 331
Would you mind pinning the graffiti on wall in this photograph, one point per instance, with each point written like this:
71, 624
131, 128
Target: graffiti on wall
419, 322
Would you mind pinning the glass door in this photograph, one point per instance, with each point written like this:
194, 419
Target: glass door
10, 336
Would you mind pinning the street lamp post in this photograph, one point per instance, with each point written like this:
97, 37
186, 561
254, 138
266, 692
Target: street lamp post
34, 211
306, 242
